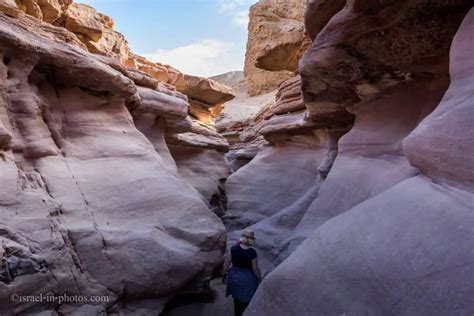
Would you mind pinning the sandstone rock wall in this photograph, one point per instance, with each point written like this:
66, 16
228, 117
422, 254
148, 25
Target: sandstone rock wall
280, 162
389, 231
88, 186
357, 176
276, 42
93, 31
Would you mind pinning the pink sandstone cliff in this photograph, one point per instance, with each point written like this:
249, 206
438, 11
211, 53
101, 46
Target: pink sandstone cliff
96, 195
362, 195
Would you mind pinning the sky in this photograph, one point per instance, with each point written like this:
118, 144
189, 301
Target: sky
199, 37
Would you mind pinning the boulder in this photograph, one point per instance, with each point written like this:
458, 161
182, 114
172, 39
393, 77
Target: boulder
190, 139
205, 90
276, 42
30, 7
53, 10
86, 21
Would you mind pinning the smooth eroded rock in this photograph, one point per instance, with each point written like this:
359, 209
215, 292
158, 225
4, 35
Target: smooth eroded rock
380, 237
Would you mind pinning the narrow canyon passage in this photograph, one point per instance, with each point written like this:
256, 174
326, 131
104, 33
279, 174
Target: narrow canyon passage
346, 145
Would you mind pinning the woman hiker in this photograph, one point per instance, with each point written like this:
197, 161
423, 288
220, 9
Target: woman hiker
244, 276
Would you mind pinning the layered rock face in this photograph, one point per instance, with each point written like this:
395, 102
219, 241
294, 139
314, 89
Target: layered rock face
199, 151
94, 30
391, 228
275, 44
277, 137
355, 170
93, 201
281, 161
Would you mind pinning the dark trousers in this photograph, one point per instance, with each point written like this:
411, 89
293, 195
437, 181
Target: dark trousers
239, 307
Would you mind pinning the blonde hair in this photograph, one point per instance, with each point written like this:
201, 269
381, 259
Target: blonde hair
247, 241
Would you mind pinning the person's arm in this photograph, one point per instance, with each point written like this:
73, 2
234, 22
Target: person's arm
227, 262
256, 269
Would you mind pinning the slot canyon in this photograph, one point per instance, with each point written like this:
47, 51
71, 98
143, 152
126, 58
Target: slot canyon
346, 144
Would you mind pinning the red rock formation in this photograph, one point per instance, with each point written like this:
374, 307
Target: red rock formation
396, 193
89, 188
94, 32
357, 178
276, 42
276, 139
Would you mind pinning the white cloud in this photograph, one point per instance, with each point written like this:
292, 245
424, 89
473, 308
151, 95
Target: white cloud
241, 18
203, 58
237, 10
230, 5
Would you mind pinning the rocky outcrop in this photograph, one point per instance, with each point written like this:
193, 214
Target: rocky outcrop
203, 98
206, 96
262, 177
264, 193
237, 119
96, 31
85, 21
389, 231
190, 149
93, 31
276, 42
51, 11
280, 161
203, 93
89, 188
318, 13
195, 132
244, 107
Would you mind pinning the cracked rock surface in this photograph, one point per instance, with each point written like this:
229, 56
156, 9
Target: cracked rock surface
89, 205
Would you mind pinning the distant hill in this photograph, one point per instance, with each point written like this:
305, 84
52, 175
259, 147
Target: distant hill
243, 106
231, 78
